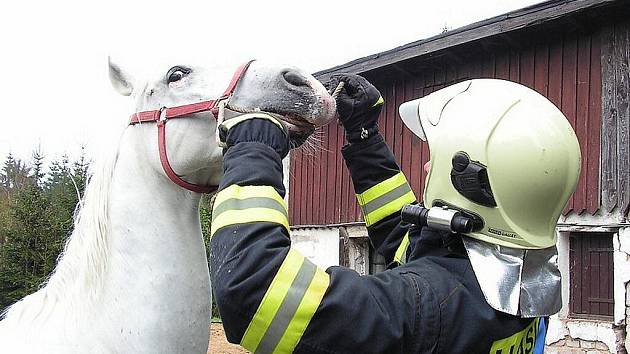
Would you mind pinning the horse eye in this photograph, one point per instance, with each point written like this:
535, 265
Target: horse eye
176, 73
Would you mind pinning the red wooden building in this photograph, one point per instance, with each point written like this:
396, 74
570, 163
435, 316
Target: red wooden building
576, 53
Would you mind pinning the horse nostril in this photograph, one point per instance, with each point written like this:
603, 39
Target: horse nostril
295, 78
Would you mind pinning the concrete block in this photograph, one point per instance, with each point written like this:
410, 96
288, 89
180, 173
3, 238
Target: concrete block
320, 245
573, 343
593, 331
601, 346
560, 343
557, 330
566, 350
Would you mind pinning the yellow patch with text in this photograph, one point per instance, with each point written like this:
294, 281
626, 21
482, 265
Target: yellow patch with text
522, 342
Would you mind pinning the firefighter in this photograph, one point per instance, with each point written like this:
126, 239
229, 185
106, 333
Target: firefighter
503, 159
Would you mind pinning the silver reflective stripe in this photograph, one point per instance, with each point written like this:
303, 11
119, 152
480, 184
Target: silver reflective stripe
386, 198
255, 202
287, 309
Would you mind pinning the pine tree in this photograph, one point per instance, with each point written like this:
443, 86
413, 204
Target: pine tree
205, 216
5, 197
80, 170
36, 214
7, 169
24, 256
15, 174
37, 171
62, 195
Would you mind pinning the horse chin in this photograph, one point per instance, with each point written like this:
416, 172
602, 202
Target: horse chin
299, 134
301, 128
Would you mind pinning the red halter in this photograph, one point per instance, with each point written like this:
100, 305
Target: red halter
162, 115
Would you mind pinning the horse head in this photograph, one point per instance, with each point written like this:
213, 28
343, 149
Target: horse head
301, 101
297, 96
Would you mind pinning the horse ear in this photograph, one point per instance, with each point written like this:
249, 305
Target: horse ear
122, 81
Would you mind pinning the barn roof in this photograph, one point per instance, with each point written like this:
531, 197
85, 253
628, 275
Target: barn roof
532, 16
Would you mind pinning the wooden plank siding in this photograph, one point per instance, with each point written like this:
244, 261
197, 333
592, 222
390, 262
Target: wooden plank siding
616, 118
564, 67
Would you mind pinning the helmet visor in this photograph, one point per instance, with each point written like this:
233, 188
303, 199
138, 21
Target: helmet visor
423, 115
410, 115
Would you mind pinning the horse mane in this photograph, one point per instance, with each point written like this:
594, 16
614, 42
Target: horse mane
81, 266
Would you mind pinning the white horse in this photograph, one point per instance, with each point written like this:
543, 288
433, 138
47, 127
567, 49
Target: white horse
133, 277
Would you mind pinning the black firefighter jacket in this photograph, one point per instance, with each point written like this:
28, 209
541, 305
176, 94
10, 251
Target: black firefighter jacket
274, 300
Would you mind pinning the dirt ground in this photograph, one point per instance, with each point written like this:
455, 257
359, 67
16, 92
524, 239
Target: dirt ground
220, 345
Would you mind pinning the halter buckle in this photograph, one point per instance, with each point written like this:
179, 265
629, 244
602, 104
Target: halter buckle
163, 117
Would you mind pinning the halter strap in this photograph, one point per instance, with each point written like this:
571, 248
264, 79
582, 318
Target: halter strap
162, 115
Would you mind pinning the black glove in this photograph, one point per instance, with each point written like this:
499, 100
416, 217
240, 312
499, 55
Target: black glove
358, 105
254, 127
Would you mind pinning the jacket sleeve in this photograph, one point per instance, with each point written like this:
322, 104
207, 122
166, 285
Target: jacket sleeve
274, 300
382, 191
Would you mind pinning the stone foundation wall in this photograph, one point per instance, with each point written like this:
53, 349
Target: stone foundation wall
576, 346
585, 337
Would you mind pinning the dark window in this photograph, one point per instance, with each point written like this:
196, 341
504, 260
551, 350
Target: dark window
591, 273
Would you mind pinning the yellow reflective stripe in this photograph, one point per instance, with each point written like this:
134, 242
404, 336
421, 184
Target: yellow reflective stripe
233, 217
379, 102
243, 192
304, 314
381, 188
246, 204
401, 252
389, 208
272, 300
385, 198
287, 307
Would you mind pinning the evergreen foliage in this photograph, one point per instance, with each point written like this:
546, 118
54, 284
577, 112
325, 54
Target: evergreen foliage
205, 214
36, 217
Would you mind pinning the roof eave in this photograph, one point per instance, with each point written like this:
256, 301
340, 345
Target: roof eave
511, 21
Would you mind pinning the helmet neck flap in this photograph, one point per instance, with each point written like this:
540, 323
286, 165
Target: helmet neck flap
520, 282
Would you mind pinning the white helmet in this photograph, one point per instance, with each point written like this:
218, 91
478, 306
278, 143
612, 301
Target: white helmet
503, 154
501, 151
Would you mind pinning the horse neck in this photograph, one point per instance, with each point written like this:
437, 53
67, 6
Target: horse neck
155, 227
152, 229
147, 207
157, 266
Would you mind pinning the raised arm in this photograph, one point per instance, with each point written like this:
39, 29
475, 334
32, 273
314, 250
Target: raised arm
382, 189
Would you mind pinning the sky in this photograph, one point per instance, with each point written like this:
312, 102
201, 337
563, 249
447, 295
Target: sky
55, 93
